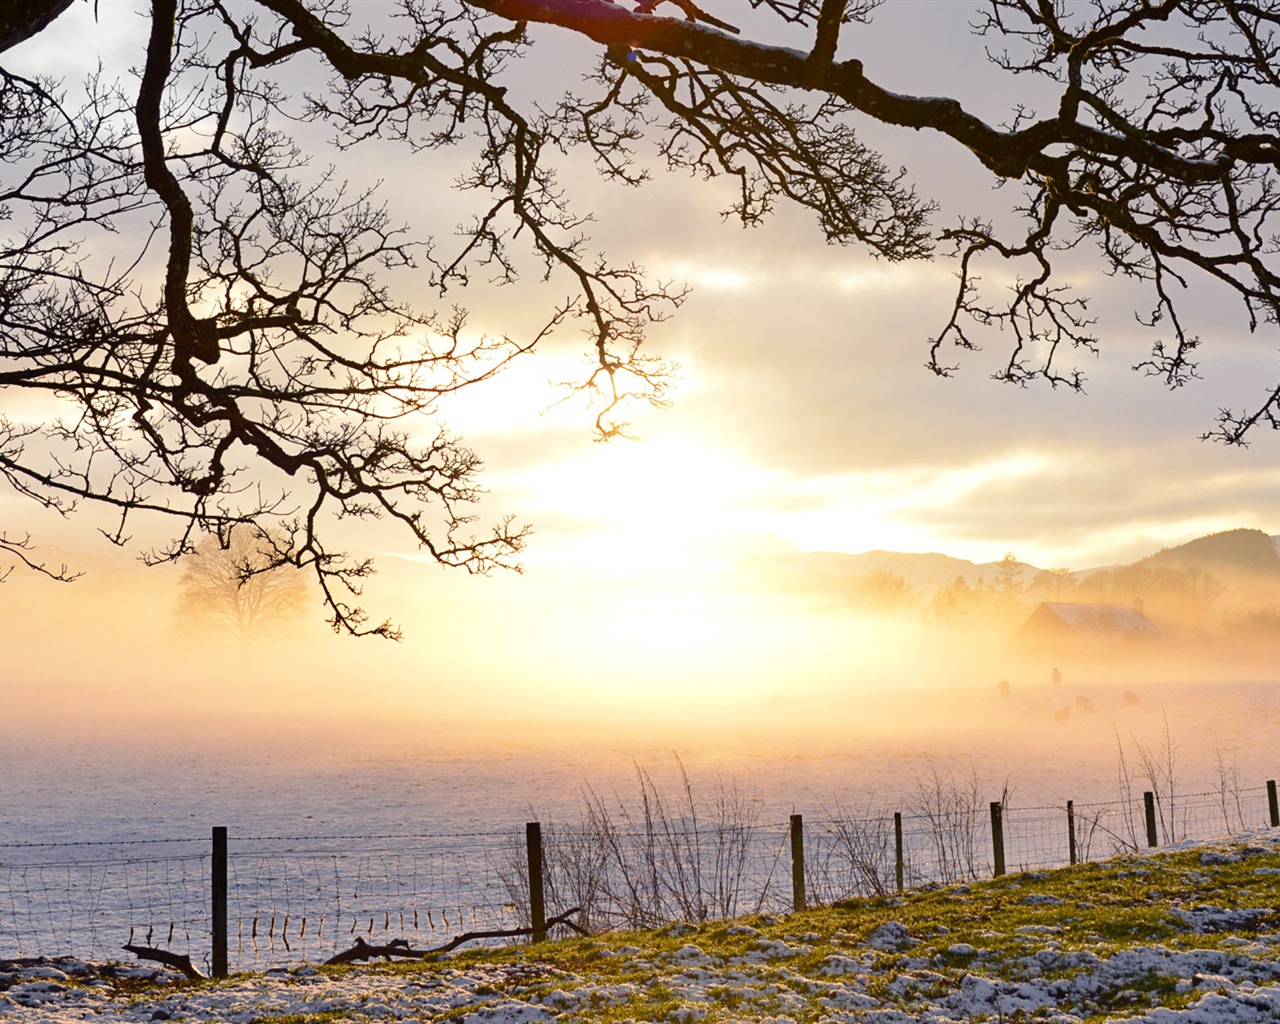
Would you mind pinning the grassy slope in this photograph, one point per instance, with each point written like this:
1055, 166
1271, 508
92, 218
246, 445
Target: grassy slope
1181, 937
1151, 912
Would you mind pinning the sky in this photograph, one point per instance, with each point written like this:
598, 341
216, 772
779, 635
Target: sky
803, 420
806, 421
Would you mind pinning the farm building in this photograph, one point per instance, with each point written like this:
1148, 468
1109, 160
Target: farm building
1058, 624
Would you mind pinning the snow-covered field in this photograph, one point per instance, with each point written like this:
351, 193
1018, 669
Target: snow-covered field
157, 779
1181, 959
116, 797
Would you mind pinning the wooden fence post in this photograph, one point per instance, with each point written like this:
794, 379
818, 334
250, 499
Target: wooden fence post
997, 836
1071, 830
537, 907
897, 843
218, 955
1149, 802
1271, 801
797, 862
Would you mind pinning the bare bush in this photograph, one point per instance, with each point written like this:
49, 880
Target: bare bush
1230, 792
855, 856
950, 809
1097, 825
655, 859
1157, 766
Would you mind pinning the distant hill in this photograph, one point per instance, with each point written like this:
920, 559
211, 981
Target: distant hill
1231, 551
836, 571
1231, 554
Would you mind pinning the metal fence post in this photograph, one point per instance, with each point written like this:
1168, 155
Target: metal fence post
797, 862
537, 908
897, 844
1149, 802
219, 907
997, 837
1071, 831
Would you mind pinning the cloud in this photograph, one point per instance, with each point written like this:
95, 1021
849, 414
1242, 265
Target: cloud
1096, 504
805, 363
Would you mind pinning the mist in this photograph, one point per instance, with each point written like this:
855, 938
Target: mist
735, 675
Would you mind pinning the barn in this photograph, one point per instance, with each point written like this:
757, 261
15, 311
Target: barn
1061, 623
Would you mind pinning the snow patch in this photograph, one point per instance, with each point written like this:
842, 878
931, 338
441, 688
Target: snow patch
892, 935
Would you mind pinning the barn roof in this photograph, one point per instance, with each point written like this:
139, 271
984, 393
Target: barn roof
1091, 621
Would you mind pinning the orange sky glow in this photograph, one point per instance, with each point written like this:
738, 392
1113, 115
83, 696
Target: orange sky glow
802, 420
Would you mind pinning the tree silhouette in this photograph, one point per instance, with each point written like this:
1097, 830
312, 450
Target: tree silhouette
883, 591
239, 350
238, 586
1009, 571
1052, 584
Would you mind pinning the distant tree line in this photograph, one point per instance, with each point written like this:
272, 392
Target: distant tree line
1186, 599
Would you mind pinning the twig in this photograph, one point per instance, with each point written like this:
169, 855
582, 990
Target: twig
178, 961
399, 947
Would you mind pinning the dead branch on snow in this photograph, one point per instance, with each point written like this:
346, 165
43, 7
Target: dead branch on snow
400, 948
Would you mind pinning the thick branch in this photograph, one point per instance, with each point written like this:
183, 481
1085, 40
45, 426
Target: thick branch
192, 337
22, 19
1007, 154
178, 961
827, 38
400, 948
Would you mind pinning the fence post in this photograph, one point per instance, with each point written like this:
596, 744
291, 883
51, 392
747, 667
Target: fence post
797, 862
997, 837
1071, 831
1274, 806
1149, 802
218, 955
537, 907
897, 844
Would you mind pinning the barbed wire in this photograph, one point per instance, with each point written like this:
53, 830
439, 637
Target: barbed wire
102, 842
342, 837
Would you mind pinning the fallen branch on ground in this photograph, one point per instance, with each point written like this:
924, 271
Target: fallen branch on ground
178, 961
399, 947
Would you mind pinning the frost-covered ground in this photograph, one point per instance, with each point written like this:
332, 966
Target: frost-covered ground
1187, 935
153, 781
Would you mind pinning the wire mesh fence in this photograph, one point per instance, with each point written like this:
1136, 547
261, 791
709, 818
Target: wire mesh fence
314, 896
304, 898
86, 898
290, 899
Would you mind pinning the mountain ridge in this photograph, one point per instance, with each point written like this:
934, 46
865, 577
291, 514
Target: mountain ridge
1240, 549
1229, 552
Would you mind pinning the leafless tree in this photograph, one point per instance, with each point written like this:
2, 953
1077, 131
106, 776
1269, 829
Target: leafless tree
238, 586
244, 358
884, 591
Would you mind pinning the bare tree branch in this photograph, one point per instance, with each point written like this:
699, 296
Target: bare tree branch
20, 549
249, 356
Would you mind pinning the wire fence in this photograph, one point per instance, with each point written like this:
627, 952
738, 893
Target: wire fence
290, 898
294, 899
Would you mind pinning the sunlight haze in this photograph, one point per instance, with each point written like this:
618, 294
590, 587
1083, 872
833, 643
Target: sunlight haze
661, 591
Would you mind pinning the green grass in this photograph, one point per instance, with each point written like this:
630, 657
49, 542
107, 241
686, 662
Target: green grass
1052, 926
1098, 908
